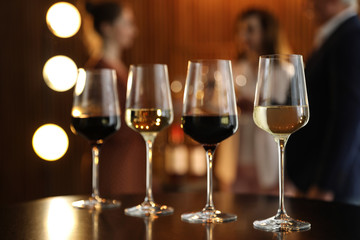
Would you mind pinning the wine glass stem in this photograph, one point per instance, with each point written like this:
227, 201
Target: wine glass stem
209, 231
148, 228
95, 219
149, 147
95, 149
281, 146
210, 149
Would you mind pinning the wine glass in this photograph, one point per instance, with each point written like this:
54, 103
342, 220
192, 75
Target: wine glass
281, 108
209, 116
148, 110
95, 115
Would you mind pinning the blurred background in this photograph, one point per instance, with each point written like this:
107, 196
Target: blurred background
170, 32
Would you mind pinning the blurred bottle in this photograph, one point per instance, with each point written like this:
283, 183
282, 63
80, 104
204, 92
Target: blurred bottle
176, 152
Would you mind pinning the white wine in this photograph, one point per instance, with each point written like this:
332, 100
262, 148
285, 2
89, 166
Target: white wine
148, 120
281, 121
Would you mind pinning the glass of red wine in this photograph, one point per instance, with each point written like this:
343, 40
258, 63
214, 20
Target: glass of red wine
95, 115
209, 116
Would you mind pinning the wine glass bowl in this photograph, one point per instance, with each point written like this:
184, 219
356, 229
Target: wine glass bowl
281, 108
148, 111
209, 116
95, 116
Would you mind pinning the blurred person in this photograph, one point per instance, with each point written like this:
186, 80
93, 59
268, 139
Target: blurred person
249, 160
122, 157
323, 158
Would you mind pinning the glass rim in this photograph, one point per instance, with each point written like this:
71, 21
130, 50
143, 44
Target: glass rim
96, 70
148, 65
204, 60
280, 55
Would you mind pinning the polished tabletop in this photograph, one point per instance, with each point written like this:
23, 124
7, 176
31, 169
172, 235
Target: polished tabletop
55, 218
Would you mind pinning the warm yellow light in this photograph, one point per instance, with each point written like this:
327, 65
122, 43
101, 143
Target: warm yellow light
60, 219
176, 86
76, 113
60, 73
63, 19
240, 80
50, 142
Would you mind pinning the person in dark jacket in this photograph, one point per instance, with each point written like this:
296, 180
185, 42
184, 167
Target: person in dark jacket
323, 158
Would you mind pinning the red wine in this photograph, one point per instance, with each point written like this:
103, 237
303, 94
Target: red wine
209, 130
96, 128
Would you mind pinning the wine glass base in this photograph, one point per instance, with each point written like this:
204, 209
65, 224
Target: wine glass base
145, 210
99, 203
208, 217
281, 225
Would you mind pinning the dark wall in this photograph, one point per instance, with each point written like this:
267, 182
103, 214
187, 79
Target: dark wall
26, 103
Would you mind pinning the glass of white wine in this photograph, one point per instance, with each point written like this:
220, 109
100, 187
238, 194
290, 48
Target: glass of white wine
148, 110
281, 108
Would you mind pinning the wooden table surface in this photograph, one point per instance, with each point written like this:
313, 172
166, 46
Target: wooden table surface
55, 218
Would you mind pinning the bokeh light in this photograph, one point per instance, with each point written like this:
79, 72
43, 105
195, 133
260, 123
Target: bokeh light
60, 73
63, 19
176, 86
50, 142
240, 80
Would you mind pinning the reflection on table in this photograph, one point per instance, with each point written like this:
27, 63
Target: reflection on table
55, 218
